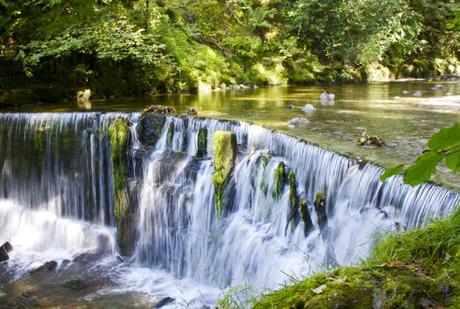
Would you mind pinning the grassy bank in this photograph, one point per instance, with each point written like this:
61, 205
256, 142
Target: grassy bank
416, 269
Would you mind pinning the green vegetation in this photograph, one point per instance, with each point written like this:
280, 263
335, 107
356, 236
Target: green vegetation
443, 146
279, 181
117, 47
118, 133
225, 148
202, 143
416, 269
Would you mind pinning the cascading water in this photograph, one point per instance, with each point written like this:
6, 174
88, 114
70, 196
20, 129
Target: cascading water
56, 179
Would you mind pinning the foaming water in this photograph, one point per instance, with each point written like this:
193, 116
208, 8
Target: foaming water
252, 243
56, 192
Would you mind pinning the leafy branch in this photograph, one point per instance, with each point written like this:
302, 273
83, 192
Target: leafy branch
443, 146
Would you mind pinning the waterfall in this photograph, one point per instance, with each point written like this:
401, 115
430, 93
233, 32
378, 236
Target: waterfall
180, 232
56, 184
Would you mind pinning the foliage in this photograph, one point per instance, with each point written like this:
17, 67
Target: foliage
119, 47
443, 146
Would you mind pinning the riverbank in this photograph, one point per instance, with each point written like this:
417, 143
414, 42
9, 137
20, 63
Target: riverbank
419, 269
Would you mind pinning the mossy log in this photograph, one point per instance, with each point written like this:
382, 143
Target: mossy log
225, 150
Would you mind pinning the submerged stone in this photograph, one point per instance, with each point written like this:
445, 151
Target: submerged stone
306, 218
279, 181
225, 149
320, 208
202, 143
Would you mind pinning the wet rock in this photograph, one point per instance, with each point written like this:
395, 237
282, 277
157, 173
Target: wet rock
83, 96
320, 208
202, 143
326, 96
309, 109
293, 218
298, 122
75, 284
150, 127
289, 106
279, 181
4, 250
368, 140
417, 93
225, 150
47, 267
165, 301
437, 87
306, 218
192, 111
159, 109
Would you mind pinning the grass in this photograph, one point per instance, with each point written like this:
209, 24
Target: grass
415, 269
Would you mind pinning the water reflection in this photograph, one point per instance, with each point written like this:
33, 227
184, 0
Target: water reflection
389, 110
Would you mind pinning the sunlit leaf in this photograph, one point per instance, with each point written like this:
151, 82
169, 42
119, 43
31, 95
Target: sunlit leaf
445, 138
422, 169
453, 162
391, 172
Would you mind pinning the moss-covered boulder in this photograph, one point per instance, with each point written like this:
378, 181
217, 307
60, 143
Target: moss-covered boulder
150, 127
279, 181
305, 215
118, 133
202, 143
225, 150
320, 208
294, 215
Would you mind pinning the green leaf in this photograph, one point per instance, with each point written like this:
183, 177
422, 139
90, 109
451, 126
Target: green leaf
445, 138
422, 169
453, 162
391, 172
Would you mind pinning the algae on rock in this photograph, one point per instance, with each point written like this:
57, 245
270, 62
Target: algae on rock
320, 208
118, 133
202, 143
279, 181
293, 202
225, 150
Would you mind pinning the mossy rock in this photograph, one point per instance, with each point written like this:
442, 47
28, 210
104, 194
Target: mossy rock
294, 215
279, 181
150, 127
118, 133
305, 215
265, 159
202, 143
170, 136
320, 208
225, 150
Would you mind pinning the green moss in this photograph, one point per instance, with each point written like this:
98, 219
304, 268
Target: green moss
118, 133
279, 181
225, 148
416, 269
305, 215
170, 134
320, 208
265, 159
202, 143
293, 202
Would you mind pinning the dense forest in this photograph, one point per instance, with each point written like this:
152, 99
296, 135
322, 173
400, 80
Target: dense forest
122, 47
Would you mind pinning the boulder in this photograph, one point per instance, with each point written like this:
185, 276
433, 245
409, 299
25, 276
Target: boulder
4, 250
298, 123
48, 266
150, 127
309, 109
326, 96
83, 96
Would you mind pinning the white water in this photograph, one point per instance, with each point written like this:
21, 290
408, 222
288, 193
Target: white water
182, 246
